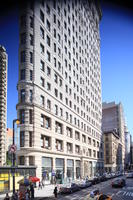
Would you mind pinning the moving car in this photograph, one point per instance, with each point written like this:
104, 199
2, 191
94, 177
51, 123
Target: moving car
73, 187
118, 182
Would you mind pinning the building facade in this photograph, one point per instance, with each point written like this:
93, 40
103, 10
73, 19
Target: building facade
112, 152
127, 148
3, 103
113, 121
59, 88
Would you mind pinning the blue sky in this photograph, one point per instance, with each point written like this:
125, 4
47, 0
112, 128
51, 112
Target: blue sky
116, 32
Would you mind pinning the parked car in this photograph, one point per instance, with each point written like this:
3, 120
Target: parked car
104, 197
118, 182
129, 175
94, 180
103, 178
84, 184
73, 187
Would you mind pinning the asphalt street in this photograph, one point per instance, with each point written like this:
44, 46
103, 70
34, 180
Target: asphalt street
125, 193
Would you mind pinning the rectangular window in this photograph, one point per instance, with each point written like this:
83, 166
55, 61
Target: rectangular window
31, 22
48, 40
41, 32
48, 86
30, 96
23, 95
30, 139
48, 25
30, 75
22, 56
42, 16
22, 116
22, 74
31, 57
48, 71
42, 100
42, 120
23, 21
22, 138
48, 56
42, 65
42, 82
30, 116
23, 38
31, 39
42, 48
48, 9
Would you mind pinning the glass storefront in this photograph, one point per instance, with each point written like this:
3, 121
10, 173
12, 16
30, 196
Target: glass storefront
70, 169
78, 166
59, 170
47, 169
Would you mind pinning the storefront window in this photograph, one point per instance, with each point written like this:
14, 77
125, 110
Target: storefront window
77, 168
70, 169
46, 169
59, 170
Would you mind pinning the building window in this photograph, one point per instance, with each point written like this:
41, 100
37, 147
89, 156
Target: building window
48, 86
48, 56
22, 74
77, 135
23, 38
48, 9
42, 16
31, 22
54, 47
22, 138
69, 132
30, 138
31, 57
23, 95
42, 65
56, 92
59, 145
83, 138
48, 71
42, 100
48, 25
30, 116
69, 147
41, 32
45, 121
48, 40
56, 110
31, 39
31, 96
45, 142
22, 116
42, 82
31, 75
58, 128
77, 149
21, 160
89, 140
48, 105
22, 56
41, 48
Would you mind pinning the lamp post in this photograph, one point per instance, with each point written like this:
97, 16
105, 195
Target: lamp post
17, 121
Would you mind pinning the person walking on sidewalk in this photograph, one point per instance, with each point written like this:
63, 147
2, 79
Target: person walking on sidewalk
55, 192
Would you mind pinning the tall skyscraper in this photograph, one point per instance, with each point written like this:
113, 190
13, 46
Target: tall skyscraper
3, 103
59, 88
113, 121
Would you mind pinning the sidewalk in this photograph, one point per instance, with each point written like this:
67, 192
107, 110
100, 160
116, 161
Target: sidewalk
46, 191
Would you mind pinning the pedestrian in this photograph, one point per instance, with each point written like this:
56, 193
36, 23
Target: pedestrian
55, 192
7, 197
32, 191
40, 185
27, 196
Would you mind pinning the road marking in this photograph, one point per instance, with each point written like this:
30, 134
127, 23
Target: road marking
124, 193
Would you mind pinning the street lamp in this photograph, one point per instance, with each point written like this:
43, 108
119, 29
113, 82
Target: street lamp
17, 121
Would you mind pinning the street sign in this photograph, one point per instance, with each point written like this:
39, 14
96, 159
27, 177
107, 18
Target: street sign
12, 149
